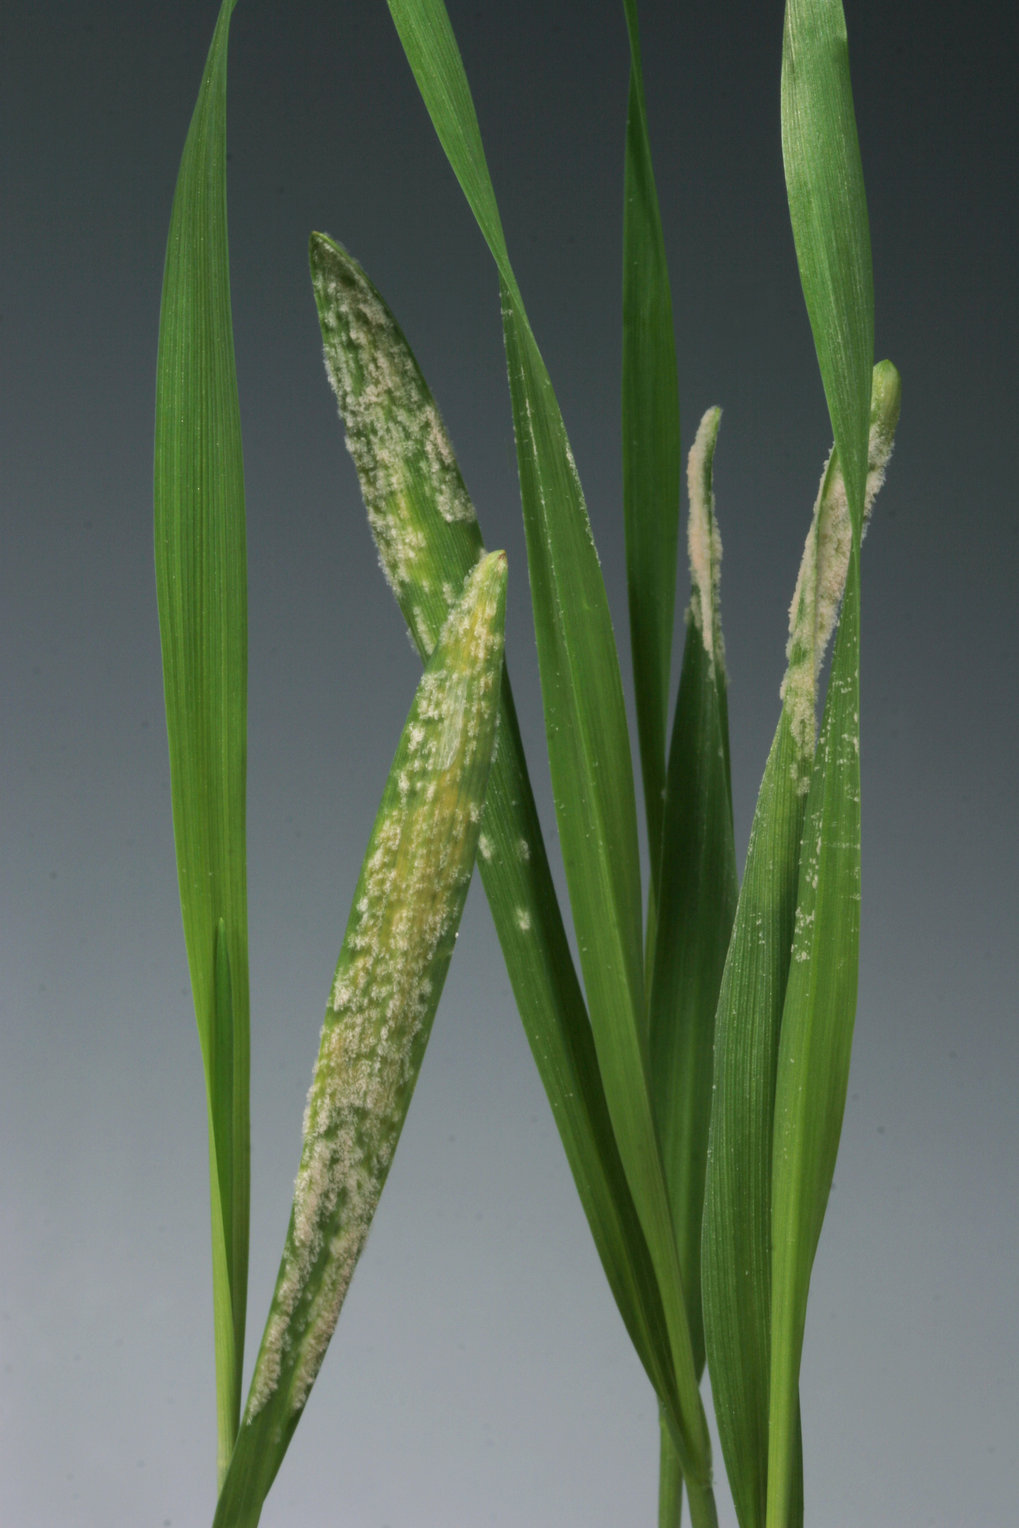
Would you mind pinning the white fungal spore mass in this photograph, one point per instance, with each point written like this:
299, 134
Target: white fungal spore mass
704, 543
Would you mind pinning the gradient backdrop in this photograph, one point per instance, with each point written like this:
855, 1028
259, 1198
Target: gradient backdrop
480, 1374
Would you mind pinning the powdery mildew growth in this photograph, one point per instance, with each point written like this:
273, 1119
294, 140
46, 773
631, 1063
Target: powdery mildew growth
420, 513
823, 569
397, 947
703, 540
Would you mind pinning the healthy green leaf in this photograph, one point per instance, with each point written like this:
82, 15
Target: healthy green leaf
428, 540
593, 791
576, 650
650, 455
392, 966
735, 1269
201, 588
828, 211
585, 723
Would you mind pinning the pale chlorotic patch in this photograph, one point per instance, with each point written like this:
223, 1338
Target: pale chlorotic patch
823, 569
399, 938
704, 543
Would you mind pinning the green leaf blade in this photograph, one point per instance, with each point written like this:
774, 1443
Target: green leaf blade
736, 1232
828, 211
698, 901
651, 456
529, 925
201, 590
592, 778
571, 612
585, 723
431, 49
392, 966
592, 786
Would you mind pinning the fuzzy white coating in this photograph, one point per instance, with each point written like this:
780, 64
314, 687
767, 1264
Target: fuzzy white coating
704, 544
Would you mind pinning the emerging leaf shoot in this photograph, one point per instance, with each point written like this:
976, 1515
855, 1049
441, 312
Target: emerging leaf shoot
703, 540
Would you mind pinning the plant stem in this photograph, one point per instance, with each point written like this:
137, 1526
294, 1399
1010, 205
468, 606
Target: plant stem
703, 1513
670, 1480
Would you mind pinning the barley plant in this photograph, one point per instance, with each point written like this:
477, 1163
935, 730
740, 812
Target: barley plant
697, 1062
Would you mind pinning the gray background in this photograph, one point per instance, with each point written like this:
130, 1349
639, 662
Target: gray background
480, 1373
